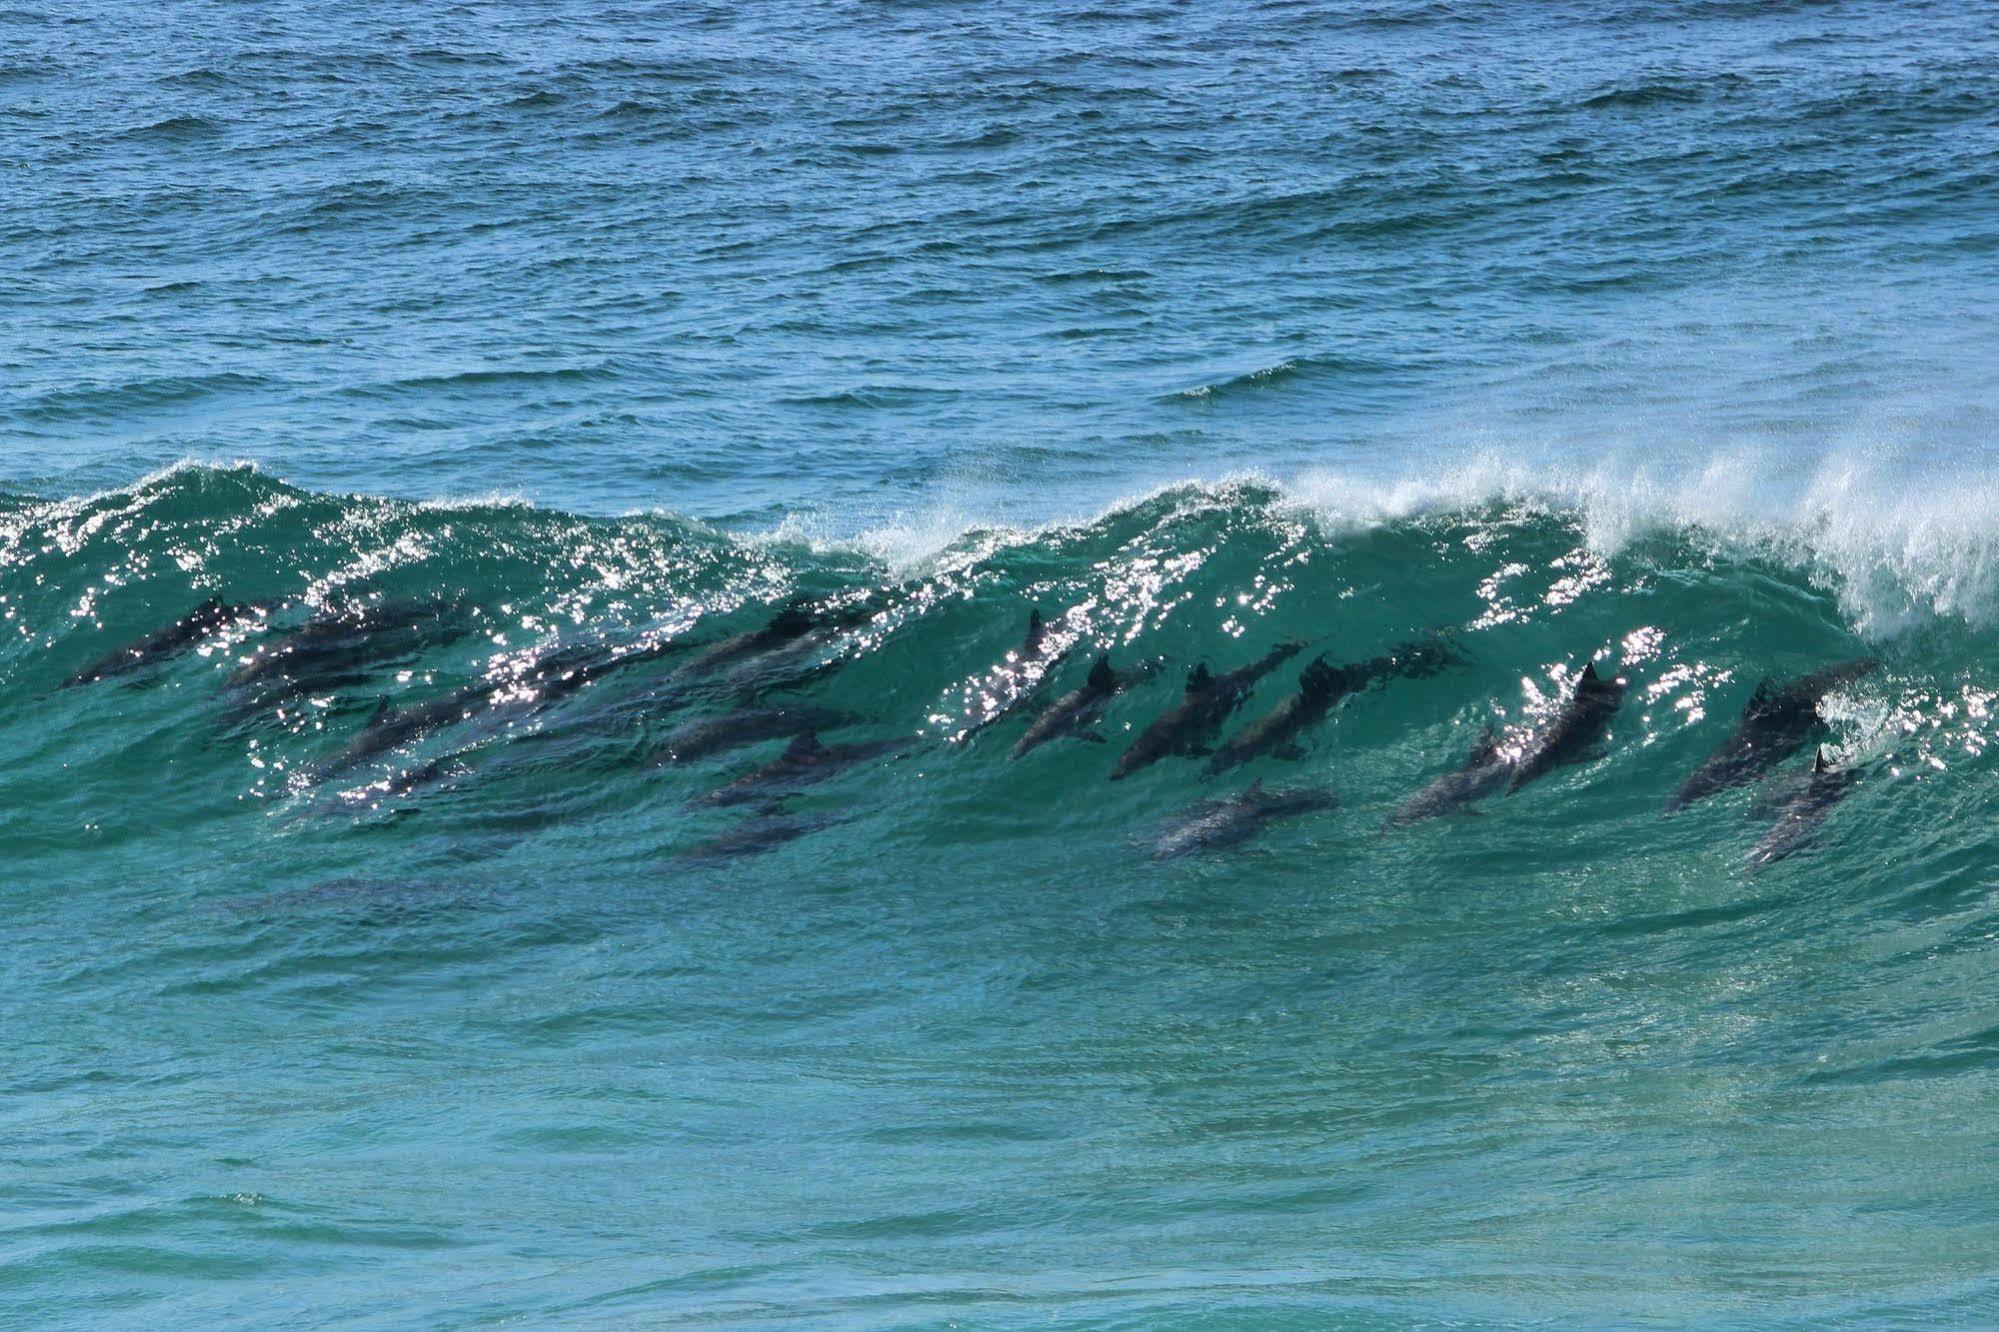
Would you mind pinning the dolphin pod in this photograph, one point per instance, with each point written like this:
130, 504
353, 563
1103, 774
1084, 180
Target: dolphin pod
800, 641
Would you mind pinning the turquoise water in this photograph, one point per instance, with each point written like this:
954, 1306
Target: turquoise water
540, 418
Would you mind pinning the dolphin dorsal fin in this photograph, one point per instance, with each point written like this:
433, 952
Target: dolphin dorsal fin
805, 742
1102, 677
1318, 677
1819, 764
1589, 670
1255, 791
792, 617
1200, 678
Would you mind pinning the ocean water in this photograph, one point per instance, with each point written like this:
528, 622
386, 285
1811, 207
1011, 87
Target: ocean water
518, 532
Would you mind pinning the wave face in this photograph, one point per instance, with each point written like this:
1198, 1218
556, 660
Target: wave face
946, 1027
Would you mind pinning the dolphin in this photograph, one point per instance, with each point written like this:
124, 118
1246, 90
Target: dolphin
792, 622
1075, 712
1576, 731
1779, 720
805, 762
1797, 822
1188, 726
1009, 684
755, 835
206, 620
1482, 773
336, 647
719, 735
1214, 824
1322, 686
757, 660
390, 728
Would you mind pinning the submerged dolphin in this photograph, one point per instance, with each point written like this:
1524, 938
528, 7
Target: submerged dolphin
1075, 712
1779, 720
390, 728
1188, 726
1574, 733
204, 621
719, 735
755, 835
1482, 773
1007, 685
1322, 686
756, 661
1797, 822
1214, 824
805, 762
337, 647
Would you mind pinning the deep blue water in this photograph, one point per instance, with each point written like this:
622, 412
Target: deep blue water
539, 417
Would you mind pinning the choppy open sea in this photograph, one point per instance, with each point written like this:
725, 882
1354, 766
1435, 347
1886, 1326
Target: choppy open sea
877, 664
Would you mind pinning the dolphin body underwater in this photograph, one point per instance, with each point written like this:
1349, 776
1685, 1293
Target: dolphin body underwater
1483, 772
1187, 727
1778, 721
204, 621
805, 762
1798, 821
337, 648
719, 735
1322, 687
1214, 824
1009, 684
1575, 732
1076, 712
761, 832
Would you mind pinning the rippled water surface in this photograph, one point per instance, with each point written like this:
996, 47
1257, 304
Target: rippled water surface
534, 794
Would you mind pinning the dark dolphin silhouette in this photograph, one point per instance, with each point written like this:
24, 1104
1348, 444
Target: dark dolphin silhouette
755, 835
1574, 734
746, 726
1322, 687
205, 621
1076, 711
1188, 726
805, 762
1798, 821
1001, 690
338, 647
1214, 824
1484, 771
1780, 719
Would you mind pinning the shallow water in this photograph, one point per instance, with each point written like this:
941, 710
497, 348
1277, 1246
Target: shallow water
371, 960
